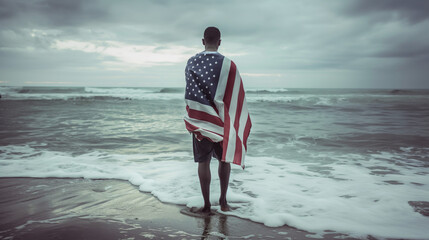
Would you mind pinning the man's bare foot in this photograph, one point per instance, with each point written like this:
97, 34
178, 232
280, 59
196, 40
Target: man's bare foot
224, 205
204, 211
225, 208
197, 212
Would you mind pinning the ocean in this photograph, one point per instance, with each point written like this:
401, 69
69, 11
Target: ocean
353, 161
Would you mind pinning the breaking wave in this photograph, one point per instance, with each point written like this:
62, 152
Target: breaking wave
89, 93
293, 97
269, 91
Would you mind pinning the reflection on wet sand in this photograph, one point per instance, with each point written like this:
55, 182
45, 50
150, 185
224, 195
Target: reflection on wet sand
220, 230
55, 208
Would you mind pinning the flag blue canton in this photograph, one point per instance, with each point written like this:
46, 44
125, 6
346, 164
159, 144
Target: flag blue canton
202, 77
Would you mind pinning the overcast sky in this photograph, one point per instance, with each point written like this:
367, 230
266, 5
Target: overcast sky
330, 43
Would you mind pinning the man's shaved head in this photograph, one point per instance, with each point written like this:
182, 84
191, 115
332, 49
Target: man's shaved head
211, 35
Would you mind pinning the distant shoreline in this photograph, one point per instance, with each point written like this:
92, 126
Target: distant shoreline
181, 87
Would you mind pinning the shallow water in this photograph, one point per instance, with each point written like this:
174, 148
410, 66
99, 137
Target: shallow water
319, 159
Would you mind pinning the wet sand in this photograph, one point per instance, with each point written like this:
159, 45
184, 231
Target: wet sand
32, 208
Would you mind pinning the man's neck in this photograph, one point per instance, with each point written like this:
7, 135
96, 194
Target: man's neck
211, 49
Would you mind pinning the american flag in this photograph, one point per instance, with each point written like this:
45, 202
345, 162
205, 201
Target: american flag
216, 104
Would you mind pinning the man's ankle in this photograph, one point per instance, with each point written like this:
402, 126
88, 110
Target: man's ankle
206, 208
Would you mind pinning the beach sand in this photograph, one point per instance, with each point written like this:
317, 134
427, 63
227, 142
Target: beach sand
32, 208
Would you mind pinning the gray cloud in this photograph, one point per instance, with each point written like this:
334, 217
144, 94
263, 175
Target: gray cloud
50, 12
413, 11
360, 39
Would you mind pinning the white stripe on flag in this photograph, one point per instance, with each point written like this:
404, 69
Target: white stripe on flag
201, 107
221, 86
205, 125
243, 120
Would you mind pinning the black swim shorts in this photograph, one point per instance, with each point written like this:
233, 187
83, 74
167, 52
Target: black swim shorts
205, 149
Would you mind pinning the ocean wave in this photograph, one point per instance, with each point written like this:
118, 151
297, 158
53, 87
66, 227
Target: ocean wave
171, 90
39, 90
270, 91
302, 101
98, 98
404, 92
262, 193
116, 91
89, 93
317, 91
298, 97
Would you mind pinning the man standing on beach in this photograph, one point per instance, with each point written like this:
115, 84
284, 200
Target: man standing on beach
217, 115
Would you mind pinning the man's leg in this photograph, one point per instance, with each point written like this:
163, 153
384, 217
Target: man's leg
224, 171
205, 178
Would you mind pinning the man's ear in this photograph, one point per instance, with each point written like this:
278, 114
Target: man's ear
219, 42
204, 42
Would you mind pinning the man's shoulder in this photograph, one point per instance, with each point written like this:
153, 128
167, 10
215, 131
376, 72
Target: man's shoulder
193, 58
208, 55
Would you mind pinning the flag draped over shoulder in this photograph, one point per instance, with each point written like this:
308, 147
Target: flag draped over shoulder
216, 104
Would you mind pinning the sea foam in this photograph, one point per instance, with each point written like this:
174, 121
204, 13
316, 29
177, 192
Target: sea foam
349, 196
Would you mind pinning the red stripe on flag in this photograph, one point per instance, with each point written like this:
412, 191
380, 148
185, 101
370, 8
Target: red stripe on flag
225, 135
200, 115
238, 151
190, 127
246, 131
230, 85
227, 101
239, 107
